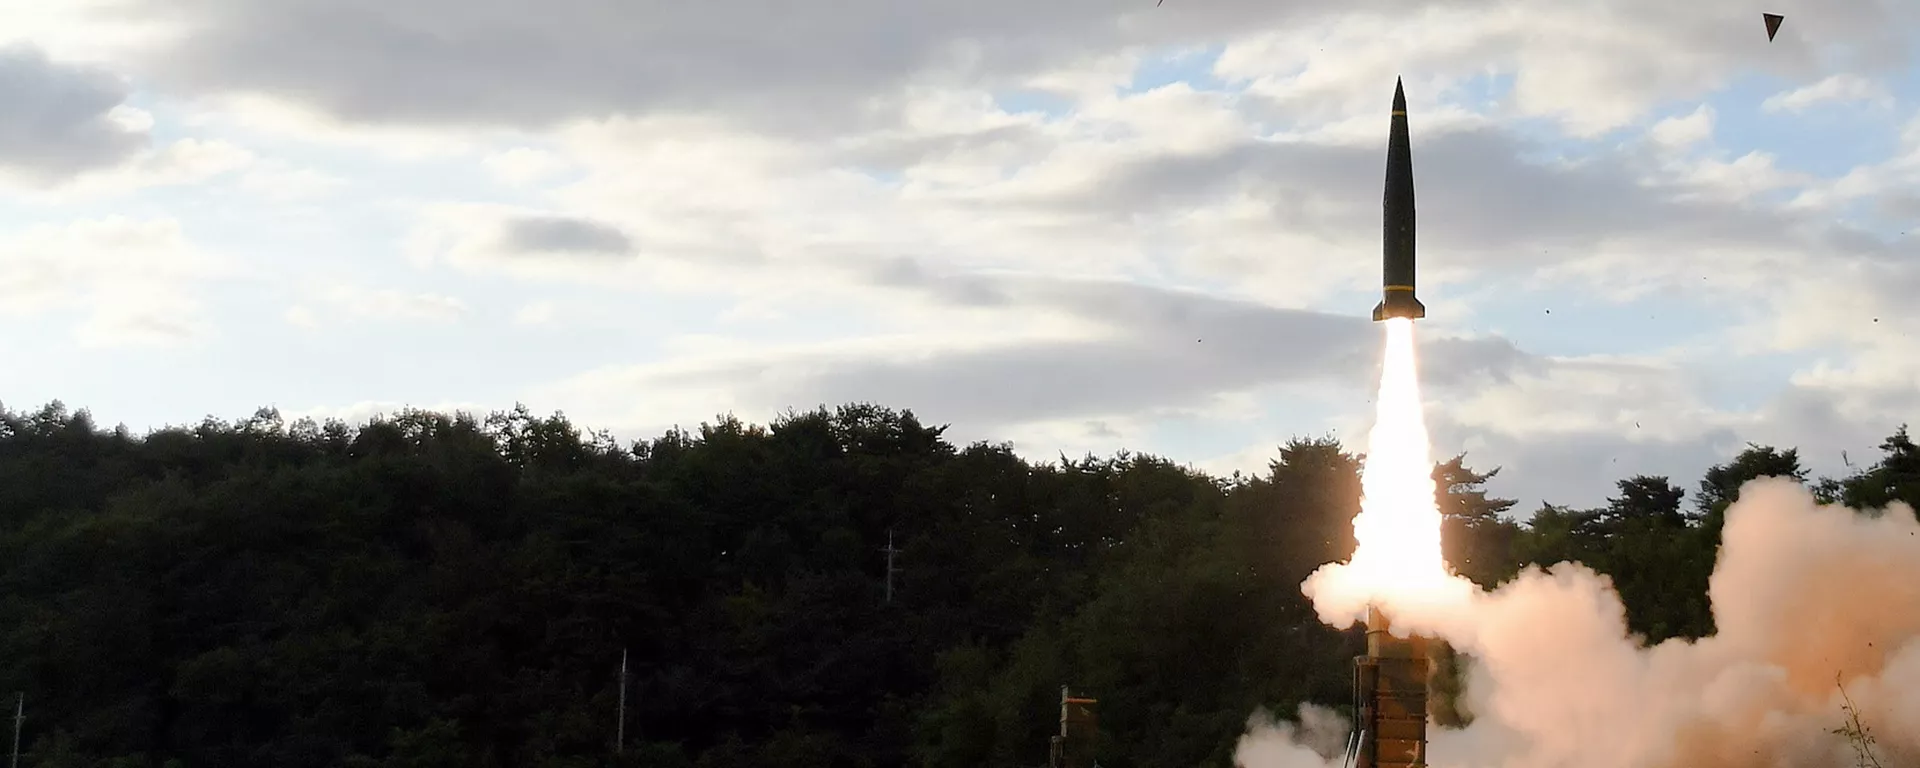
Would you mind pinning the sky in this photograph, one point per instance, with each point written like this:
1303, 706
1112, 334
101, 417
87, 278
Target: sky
1648, 235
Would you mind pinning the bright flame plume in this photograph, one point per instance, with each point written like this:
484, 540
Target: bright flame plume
1399, 522
1398, 562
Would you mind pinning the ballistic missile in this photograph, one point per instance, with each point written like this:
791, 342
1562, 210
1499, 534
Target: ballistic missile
1397, 298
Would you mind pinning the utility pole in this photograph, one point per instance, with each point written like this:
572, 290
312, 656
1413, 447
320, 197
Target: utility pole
620, 731
891, 551
19, 716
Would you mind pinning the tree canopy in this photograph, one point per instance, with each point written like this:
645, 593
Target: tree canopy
445, 590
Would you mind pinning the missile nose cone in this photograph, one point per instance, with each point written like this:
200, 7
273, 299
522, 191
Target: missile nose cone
1397, 265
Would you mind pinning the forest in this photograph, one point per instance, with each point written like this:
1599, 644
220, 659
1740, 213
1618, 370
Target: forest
432, 589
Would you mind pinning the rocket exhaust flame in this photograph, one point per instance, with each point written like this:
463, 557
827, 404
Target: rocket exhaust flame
1397, 567
1398, 527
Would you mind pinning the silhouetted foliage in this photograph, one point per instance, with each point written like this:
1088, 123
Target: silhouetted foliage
445, 590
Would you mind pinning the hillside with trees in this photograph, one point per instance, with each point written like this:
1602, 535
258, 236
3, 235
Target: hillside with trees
443, 590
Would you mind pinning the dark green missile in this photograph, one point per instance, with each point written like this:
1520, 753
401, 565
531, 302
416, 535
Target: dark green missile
1397, 299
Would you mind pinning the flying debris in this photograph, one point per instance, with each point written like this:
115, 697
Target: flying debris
1397, 298
1773, 24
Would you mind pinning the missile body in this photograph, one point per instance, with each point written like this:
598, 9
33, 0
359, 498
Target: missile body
1397, 263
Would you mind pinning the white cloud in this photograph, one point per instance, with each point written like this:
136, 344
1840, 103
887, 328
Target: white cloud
281, 181
523, 165
412, 306
536, 314
82, 30
133, 280
278, 116
356, 302
755, 380
134, 316
131, 119
301, 316
1835, 89
1072, 438
1695, 127
1742, 179
184, 162
1653, 399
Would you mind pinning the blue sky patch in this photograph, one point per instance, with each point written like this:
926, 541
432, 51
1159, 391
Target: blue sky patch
1568, 323
1192, 66
1020, 101
1827, 139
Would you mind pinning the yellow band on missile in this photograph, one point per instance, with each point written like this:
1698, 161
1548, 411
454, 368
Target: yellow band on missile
1399, 287
1083, 701
1399, 113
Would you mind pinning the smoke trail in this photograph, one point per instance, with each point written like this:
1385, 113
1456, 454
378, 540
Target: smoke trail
1806, 599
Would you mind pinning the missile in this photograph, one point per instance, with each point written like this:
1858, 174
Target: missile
1396, 267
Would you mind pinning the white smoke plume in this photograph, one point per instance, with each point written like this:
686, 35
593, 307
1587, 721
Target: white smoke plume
1318, 739
1806, 599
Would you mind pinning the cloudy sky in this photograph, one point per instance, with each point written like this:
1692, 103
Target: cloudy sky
1648, 235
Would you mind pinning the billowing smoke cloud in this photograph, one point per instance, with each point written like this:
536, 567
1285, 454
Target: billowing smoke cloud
1806, 599
1318, 739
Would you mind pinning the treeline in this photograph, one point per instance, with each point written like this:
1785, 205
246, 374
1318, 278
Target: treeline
432, 590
